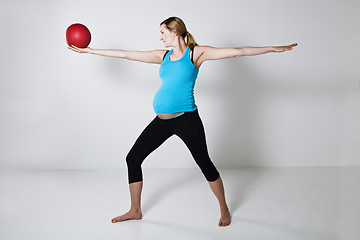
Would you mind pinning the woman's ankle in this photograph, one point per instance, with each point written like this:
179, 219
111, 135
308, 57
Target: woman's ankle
135, 209
224, 209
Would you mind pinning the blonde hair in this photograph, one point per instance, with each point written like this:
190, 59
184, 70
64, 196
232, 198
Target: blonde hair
176, 25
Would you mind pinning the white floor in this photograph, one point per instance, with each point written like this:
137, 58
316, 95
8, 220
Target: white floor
266, 203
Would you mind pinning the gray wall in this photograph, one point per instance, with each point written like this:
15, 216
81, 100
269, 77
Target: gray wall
62, 110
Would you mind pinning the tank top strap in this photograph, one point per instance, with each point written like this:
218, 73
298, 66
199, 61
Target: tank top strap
188, 53
165, 54
192, 55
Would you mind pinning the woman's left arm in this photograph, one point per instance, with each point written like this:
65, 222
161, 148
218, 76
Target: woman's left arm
211, 53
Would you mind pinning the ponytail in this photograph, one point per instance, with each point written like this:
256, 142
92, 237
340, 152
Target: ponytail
190, 42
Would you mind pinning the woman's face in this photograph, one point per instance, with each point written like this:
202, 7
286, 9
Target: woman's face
166, 36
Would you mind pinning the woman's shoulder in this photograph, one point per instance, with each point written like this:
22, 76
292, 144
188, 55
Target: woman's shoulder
201, 49
160, 52
198, 52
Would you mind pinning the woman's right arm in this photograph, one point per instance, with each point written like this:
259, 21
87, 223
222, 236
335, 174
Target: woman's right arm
154, 56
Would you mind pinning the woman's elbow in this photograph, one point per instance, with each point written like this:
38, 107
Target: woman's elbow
240, 52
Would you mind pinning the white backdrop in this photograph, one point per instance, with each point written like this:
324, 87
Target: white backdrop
62, 110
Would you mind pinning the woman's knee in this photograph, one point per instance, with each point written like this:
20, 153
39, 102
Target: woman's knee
132, 161
213, 176
209, 170
134, 168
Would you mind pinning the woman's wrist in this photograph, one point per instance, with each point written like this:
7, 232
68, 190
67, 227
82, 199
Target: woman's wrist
90, 50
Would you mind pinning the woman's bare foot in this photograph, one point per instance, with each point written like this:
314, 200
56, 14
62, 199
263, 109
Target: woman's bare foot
130, 215
225, 219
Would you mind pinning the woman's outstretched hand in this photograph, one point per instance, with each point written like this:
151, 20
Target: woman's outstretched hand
284, 48
79, 50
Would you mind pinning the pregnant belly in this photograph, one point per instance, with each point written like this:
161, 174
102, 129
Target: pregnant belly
170, 102
165, 101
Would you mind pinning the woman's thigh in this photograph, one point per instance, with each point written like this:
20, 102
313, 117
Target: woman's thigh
191, 131
150, 139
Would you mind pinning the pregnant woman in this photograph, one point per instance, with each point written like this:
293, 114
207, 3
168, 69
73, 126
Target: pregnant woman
174, 105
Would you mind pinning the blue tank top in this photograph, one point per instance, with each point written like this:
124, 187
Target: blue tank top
176, 93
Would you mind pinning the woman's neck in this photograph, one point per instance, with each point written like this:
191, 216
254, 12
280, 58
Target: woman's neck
179, 48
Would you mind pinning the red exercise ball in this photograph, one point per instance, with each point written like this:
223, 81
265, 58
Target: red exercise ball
78, 35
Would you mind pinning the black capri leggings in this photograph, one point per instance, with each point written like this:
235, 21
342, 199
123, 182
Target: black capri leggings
188, 127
